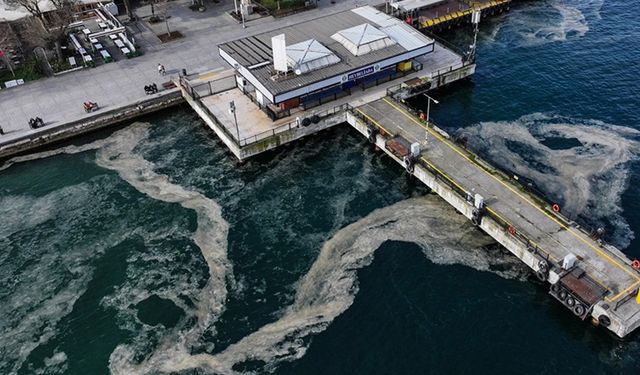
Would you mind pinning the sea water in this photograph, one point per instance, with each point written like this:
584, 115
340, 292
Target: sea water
149, 250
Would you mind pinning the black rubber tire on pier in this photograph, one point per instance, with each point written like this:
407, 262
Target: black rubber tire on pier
579, 310
570, 302
555, 287
604, 320
541, 275
562, 295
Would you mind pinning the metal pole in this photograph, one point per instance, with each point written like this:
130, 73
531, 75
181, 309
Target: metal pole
242, 7
232, 107
429, 100
235, 4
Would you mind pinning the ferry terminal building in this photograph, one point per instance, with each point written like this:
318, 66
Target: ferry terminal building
323, 59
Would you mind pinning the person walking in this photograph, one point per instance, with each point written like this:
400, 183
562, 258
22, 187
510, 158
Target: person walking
161, 70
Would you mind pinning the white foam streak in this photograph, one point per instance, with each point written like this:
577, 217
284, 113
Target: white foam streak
543, 22
588, 180
72, 149
329, 288
210, 236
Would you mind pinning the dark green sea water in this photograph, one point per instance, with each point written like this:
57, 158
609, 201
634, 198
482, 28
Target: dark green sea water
148, 249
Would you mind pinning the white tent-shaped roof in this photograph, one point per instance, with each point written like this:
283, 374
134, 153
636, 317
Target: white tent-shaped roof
362, 39
309, 55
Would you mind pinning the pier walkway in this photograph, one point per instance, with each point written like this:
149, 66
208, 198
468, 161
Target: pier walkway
58, 100
603, 280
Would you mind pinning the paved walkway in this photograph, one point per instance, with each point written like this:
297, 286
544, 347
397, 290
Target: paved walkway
58, 100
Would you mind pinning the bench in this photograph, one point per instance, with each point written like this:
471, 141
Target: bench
106, 56
72, 62
119, 43
98, 46
113, 37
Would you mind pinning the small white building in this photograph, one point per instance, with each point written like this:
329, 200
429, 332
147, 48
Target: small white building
325, 57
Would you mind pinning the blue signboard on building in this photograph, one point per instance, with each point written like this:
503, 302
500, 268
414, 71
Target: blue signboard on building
360, 73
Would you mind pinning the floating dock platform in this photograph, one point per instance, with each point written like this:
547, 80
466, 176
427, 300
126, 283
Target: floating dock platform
436, 15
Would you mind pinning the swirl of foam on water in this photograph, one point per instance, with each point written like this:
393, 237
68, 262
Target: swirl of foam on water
210, 236
588, 180
543, 22
56, 364
71, 149
330, 286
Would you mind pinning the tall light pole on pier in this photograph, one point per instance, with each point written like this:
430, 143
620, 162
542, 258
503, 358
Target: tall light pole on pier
232, 109
475, 20
429, 100
242, 9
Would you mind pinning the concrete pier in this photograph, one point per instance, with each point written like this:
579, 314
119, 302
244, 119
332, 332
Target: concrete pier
252, 132
592, 279
16, 143
601, 284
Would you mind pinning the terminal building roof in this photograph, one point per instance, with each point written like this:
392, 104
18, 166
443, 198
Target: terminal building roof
362, 39
373, 35
309, 55
409, 5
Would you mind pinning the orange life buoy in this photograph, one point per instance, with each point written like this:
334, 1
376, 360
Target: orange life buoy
422, 116
636, 264
511, 230
555, 207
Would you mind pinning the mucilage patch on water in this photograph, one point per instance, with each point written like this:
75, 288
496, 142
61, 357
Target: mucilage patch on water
581, 164
330, 286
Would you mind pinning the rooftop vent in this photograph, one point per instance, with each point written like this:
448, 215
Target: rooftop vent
309, 55
362, 39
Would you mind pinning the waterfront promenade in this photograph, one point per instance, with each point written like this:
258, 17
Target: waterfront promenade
58, 100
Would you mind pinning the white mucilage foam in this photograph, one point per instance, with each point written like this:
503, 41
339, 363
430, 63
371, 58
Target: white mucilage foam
115, 153
541, 22
330, 286
588, 180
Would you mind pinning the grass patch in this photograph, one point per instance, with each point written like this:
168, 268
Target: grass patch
29, 72
284, 4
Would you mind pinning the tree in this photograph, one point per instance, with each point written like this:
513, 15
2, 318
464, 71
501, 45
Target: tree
128, 9
4, 56
58, 22
54, 24
33, 7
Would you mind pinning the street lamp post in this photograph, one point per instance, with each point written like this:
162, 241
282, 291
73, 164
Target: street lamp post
232, 109
243, 7
429, 100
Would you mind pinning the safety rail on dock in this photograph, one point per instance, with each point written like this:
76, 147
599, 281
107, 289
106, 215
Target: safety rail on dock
292, 125
426, 81
463, 16
195, 96
456, 187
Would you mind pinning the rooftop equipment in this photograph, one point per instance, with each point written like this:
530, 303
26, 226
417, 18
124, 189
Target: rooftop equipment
362, 39
309, 55
279, 47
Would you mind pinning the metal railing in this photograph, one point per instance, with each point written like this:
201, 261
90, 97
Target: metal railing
454, 185
193, 95
293, 125
394, 90
457, 50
